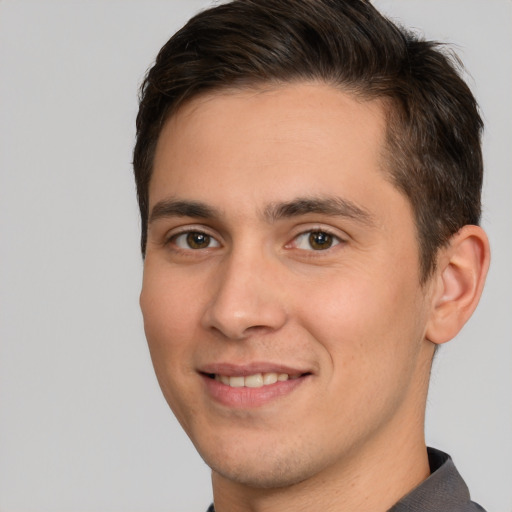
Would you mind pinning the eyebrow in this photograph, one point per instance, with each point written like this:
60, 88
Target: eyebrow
173, 208
331, 206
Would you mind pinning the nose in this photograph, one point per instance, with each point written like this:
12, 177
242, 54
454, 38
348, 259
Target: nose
247, 298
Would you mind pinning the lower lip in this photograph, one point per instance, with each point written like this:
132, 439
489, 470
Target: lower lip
246, 398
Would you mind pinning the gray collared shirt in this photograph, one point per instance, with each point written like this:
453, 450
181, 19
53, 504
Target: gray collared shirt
443, 491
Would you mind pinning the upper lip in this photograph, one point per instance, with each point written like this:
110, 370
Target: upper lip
232, 370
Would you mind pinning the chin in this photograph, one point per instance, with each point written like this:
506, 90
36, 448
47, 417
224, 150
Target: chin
271, 472
262, 478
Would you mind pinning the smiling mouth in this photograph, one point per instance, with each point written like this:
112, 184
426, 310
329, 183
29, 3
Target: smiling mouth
256, 380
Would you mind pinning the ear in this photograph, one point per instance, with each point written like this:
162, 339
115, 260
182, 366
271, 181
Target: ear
458, 282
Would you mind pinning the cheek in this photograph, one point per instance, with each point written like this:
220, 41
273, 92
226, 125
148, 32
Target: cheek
370, 326
169, 307
170, 323
371, 342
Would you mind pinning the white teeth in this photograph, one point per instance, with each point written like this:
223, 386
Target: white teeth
237, 382
269, 378
254, 381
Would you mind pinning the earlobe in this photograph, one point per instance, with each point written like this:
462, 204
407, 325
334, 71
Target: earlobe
458, 283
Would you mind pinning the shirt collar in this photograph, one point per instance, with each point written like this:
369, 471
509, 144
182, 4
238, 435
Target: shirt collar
444, 489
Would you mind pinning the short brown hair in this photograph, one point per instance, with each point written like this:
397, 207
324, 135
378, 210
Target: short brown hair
434, 128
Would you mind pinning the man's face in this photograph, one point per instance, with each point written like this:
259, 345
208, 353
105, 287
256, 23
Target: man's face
281, 296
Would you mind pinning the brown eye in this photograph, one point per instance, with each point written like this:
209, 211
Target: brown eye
195, 240
319, 240
198, 240
315, 241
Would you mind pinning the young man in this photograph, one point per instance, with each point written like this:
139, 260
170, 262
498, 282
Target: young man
309, 181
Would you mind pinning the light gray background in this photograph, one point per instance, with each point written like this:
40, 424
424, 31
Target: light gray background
83, 426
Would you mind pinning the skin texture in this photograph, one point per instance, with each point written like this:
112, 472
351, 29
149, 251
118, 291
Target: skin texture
352, 315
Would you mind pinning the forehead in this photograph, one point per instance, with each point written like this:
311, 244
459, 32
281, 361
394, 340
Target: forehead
297, 134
